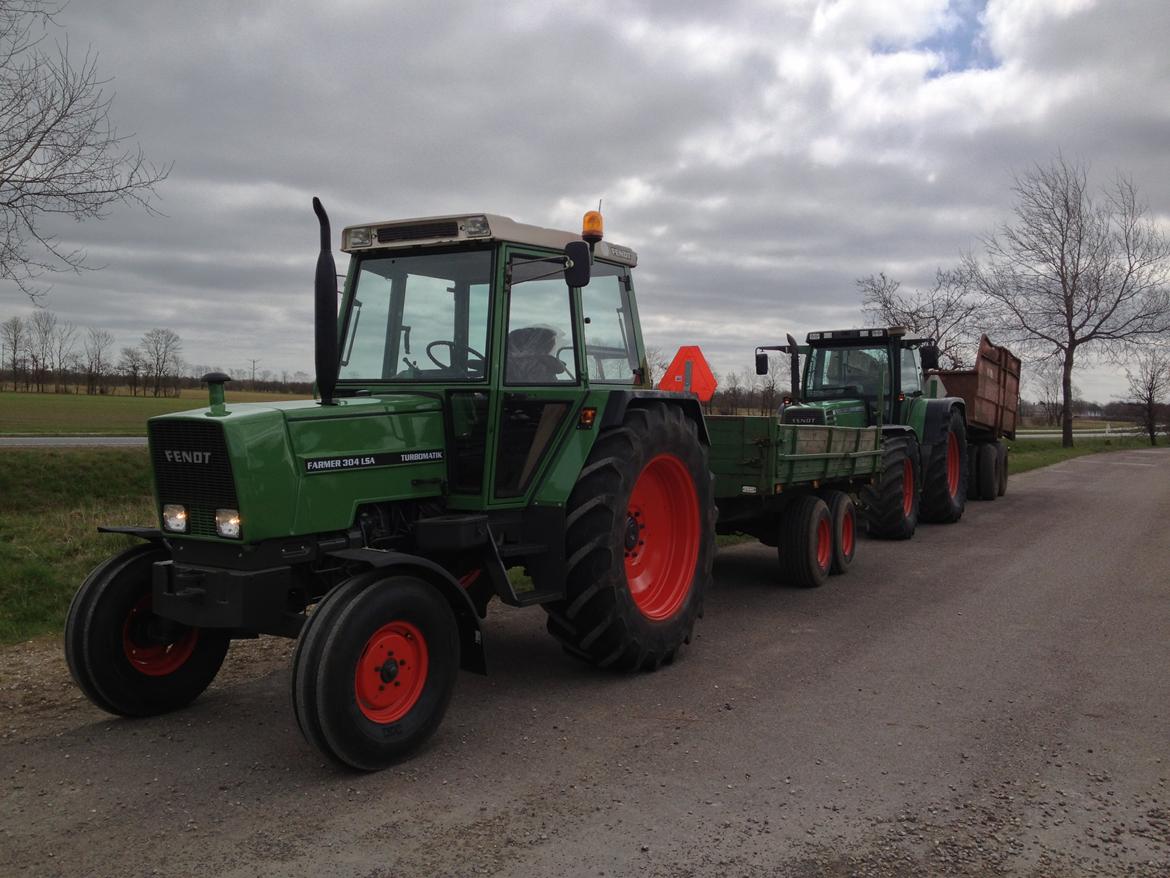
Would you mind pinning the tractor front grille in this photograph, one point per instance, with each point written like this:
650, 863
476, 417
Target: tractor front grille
418, 231
191, 467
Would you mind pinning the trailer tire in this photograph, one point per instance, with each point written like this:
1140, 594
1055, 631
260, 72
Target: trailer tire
1001, 462
373, 677
985, 471
805, 546
944, 484
891, 505
843, 514
639, 543
125, 659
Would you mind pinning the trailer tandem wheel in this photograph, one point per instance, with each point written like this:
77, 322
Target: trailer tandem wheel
639, 543
843, 514
127, 660
805, 545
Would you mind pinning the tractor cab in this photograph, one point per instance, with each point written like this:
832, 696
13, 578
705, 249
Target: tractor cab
859, 377
495, 321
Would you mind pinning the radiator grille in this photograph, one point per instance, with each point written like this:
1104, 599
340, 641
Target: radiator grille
184, 475
411, 231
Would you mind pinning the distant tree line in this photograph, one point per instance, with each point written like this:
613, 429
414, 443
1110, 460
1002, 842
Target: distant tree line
43, 354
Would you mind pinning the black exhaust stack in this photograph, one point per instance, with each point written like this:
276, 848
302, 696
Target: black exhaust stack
325, 317
794, 365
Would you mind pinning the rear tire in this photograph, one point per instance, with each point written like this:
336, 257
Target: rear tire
1001, 461
944, 484
843, 514
127, 660
986, 475
375, 670
639, 543
805, 545
891, 505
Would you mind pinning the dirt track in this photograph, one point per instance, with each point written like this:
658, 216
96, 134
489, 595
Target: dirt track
991, 698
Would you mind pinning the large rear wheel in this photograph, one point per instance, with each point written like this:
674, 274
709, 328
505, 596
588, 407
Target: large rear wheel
639, 543
944, 484
891, 505
127, 660
374, 669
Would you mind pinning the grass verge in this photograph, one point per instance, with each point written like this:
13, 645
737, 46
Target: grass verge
51, 503
1030, 454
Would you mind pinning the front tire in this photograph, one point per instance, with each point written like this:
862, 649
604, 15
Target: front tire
944, 488
891, 505
375, 669
639, 543
127, 660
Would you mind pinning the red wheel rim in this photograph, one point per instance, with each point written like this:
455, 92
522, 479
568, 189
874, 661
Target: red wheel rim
847, 533
907, 487
153, 659
391, 673
661, 537
953, 465
824, 543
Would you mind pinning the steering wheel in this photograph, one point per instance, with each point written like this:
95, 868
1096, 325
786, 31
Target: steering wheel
450, 345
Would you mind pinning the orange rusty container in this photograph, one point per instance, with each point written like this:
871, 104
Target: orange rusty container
991, 390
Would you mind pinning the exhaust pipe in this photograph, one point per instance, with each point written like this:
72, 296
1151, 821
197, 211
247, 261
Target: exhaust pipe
794, 366
325, 311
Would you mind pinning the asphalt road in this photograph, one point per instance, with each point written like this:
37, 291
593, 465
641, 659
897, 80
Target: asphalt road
990, 698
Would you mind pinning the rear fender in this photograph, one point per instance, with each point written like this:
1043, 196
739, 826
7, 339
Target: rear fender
471, 651
938, 418
620, 400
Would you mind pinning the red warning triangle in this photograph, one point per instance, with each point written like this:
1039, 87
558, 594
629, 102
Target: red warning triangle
701, 378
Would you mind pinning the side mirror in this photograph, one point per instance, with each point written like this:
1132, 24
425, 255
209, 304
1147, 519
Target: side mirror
761, 363
578, 258
929, 354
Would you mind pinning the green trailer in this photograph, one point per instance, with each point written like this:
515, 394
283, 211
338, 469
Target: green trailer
791, 487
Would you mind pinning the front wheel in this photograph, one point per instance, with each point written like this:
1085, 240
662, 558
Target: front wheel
127, 660
639, 543
891, 505
374, 669
944, 489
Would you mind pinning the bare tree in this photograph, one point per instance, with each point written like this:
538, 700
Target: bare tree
42, 329
1149, 385
12, 332
946, 312
60, 153
1073, 276
64, 346
160, 349
97, 346
132, 365
657, 363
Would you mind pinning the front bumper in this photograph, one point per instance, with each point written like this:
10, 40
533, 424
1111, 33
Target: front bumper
245, 601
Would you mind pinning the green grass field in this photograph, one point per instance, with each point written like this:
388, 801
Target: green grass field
68, 414
52, 501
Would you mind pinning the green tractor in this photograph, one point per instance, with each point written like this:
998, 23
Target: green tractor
483, 406
879, 377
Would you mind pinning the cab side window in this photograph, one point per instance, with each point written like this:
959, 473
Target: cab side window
611, 355
539, 348
911, 372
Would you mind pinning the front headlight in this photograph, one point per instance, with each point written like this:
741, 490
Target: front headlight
227, 523
174, 516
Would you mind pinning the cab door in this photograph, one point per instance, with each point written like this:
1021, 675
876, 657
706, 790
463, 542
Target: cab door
539, 371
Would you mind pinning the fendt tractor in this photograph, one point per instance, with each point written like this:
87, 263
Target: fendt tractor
483, 405
938, 449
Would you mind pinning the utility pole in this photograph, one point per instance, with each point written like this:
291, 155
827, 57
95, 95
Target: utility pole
254, 362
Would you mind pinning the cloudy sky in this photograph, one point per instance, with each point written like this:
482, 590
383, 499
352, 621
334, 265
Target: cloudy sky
760, 156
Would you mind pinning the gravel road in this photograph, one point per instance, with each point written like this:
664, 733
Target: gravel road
990, 698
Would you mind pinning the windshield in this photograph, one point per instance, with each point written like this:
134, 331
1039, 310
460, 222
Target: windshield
835, 373
419, 318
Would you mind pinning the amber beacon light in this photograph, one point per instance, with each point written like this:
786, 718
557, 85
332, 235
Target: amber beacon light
592, 226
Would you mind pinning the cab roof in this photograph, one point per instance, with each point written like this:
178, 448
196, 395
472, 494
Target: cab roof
464, 228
